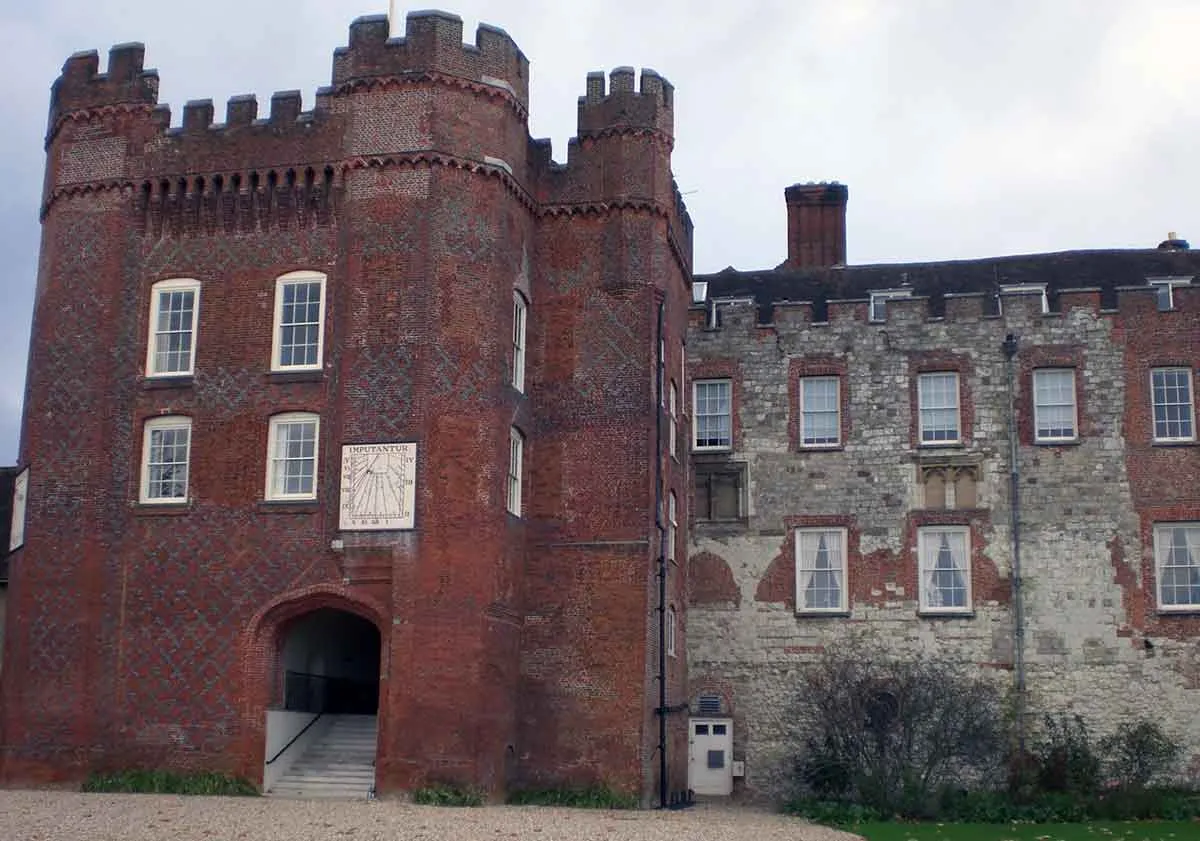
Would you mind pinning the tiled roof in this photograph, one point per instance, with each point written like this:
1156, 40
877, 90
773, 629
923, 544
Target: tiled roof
1105, 270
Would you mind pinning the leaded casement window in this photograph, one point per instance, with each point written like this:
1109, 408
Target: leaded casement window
171, 346
1177, 557
1054, 412
166, 453
712, 415
672, 526
516, 454
821, 570
292, 447
299, 322
1171, 393
945, 569
820, 412
520, 312
720, 492
949, 483
937, 401
670, 631
673, 431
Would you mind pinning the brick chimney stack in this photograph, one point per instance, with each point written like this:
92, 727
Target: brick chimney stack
816, 225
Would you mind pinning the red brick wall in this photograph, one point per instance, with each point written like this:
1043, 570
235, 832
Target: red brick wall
514, 649
1164, 478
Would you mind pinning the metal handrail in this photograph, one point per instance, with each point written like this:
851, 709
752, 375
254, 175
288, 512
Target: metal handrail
283, 749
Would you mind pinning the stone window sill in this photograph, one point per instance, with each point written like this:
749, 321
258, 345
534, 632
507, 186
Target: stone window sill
822, 614
946, 614
154, 383
162, 509
288, 506
296, 376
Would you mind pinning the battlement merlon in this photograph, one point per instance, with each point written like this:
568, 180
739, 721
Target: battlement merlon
432, 43
651, 106
1019, 311
81, 84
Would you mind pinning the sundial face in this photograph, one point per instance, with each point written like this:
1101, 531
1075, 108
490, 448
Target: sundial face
378, 487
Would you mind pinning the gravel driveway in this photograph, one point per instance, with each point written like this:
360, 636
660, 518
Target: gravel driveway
67, 816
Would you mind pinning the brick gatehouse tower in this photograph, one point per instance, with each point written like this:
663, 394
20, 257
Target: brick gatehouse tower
365, 408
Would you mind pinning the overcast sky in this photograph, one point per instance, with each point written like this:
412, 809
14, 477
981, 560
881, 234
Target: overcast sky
964, 128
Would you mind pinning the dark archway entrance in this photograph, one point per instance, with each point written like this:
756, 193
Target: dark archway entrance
330, 663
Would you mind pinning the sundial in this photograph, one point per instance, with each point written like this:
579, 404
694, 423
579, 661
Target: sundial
378, 486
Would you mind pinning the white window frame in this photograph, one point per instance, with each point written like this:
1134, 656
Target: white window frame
274, 491
282, 282
922, 408
672, 526
670, 630
662, 371
805, 412
929, 540
1164, 544
520, 318
1164, 290
1042, 406
697, 385
673, 409
516, 458
1190, 404
159, 425
180, 284
877, 310
806, 568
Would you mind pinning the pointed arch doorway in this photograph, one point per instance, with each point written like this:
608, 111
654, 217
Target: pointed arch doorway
321, 724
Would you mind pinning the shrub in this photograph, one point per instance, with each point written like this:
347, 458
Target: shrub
170, 782
891, 733
1064, 757
833, 812
997, 807
447, 794
1140, 754
596, 797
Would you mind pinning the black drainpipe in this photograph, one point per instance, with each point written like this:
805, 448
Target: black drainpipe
662, 565
1018, 597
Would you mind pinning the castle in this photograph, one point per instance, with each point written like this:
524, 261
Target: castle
376, 411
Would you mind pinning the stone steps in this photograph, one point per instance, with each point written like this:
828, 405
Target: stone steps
341, 764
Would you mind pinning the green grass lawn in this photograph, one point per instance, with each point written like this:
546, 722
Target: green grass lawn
1094, 831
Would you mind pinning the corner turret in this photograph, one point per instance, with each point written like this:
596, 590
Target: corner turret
432, 43
81, 86
650, 107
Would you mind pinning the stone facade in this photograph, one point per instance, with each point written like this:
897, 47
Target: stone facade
528, 648
1095, 642
516, 650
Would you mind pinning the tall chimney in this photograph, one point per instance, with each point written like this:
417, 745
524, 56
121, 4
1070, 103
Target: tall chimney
816, 225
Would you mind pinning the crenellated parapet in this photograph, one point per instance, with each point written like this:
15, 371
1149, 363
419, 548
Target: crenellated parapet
83, 87
617, 173
432, 44
1012, 312
422, 100
624, 109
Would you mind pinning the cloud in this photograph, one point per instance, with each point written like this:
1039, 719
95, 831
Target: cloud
963, 129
